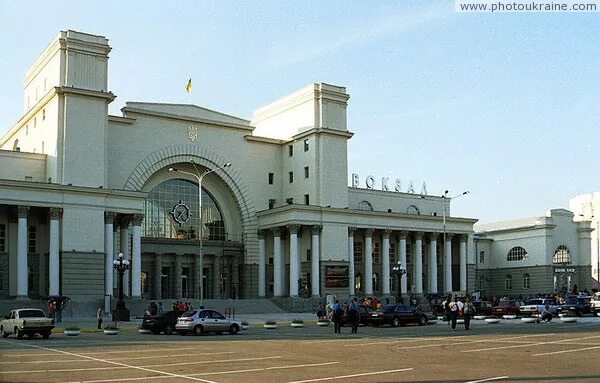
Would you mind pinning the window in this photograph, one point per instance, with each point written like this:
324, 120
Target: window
2, 239
481, 280
412, 209
34, 122
365, 205
306, 145
393, 260
376, 253
517, 253
44, 115
271, 204
481, 256
291, 150
306, 172
308, 255
271, 176
291, 175
306, 199
358, 282
31, 239
358, 252
526, 281
145, 285
562, 256
409, 253
508, 282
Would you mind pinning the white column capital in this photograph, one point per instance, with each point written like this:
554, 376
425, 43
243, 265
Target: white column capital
261, 234
22, 211
316, 229
386, 233
109, 217
351, 230
137, 219
55, 213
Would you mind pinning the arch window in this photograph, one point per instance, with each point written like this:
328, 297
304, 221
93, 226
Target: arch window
526, 281
562, 256
172, 212
508, 282
365, 205
517, 253
412, 209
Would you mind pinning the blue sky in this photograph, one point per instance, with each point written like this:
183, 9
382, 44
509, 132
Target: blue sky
504, 105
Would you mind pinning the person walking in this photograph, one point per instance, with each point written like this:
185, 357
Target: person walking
468, 311
100, 317
354, 315
336, 316
455, 307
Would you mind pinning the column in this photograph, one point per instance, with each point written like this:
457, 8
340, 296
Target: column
158, 276
115, 277
197, 278
277, 263
22, 285
463, 263
351, 271
368, 262
124, 221
261, 264
385, 260
294, 272
433, 288
448, 262
402, 254
109, 246
218, 277
42, 273
315, 275
53, 262
418, 265
235, 277
177, 277
136, 257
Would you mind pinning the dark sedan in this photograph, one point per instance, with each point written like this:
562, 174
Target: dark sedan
398, 315
163, 322
575, 306
364, 316
482, 307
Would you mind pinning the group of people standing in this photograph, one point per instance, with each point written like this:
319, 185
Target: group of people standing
338, 314
454, 307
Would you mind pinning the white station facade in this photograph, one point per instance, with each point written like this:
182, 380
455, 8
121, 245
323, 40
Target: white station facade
79, 186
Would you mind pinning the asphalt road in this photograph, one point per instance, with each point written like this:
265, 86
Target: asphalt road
507, 352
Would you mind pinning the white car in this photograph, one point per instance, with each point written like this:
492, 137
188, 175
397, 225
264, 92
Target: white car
26, 322
535, 306
202, 321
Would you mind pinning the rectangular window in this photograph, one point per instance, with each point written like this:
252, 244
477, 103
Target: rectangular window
31, 239
308, 255
306, 145
271, 175
291, 150
271, 204
409, 253
376, 257
2, 238
393, 259
481, 256
358, 252
306, 172
306, 199
291, 174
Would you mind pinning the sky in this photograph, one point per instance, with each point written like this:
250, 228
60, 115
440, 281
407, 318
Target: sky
504, 105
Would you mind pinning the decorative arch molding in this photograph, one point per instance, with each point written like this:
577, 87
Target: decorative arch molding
174, 154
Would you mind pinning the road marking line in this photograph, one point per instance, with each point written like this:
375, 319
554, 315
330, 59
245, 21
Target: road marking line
121, 365
120, 358
565, 351
457, 340
351, 376
215, 361
532, 344
488, 379
209, 373
107, 352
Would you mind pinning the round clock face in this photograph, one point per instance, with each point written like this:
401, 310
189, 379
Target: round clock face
180, 213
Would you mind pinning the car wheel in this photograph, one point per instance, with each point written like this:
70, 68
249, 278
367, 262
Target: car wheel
233, 329
396, 322
422, 321
46, 335
155, 332
169, 330
18, 333
198, 330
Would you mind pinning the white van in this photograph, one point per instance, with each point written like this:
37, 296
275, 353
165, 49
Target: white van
595, 304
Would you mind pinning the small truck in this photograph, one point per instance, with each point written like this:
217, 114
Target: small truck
26, 322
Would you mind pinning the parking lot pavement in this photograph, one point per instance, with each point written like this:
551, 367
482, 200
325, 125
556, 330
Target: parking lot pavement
509, 351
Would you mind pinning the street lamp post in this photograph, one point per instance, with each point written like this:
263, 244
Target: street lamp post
121, 313
448, 263
199, 178
398, 271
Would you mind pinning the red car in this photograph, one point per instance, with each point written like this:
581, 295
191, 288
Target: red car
507, 307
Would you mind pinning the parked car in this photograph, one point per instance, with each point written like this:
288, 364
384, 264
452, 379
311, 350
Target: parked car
199, 322
535, 306
506, 307
26, 322
482, 307
576, 305
364, 317
163, 322
595, 304
398, 315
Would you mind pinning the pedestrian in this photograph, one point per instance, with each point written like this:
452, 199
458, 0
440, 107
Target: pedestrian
160, 308
153, 308
321, 312
336, 316
455, 307
99, 317
354, 315
545, 315
468, 311
52, 309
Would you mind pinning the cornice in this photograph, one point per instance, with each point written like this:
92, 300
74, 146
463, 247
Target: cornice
265, 140
53, 187
28, 115
122, 120
323, 131
186, 118
109, 96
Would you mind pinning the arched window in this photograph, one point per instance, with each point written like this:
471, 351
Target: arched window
508, 282
172, 212
562, 256
365, 205
412, 209
517, 253
526, 281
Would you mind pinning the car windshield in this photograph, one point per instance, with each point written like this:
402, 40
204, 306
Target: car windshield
31, 314
190, 313
388, 308
571, 301
535, 302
